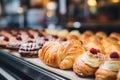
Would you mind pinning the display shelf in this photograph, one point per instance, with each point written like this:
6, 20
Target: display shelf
29, 70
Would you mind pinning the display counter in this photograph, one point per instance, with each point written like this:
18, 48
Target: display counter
34, 68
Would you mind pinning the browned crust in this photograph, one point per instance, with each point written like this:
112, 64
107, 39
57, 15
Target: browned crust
102, 74
83, 70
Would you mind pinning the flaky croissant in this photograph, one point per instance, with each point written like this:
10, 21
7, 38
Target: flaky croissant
100, 35
94, 43
110, 45
115, 36
61, 54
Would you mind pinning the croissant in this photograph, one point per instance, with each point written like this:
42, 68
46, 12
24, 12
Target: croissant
101, 35
94, 43
60, 54
115, 35
74, 34
110, 45
85, 37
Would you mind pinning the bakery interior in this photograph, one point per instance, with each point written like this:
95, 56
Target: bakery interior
59, 39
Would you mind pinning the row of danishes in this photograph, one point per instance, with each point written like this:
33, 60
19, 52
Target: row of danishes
88, 54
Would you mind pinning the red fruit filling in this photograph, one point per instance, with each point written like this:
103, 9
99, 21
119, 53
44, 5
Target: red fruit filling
114, 55
94, 51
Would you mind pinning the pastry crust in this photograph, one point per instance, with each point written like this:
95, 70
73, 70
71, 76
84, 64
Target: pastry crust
102, 74
101, 35
118, 75
60, 54
110, 46
82, 69
115, 36
85, 37
94, 43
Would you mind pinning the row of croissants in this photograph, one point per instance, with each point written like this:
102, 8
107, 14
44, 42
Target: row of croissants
88, 54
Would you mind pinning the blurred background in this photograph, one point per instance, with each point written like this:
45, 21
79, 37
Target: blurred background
60, 14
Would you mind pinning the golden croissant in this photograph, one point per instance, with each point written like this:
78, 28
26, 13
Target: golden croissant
60, 54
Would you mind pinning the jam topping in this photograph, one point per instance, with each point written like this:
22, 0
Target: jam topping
46, 39
30, 35
65, 39
6, 38
30, 41
40, 34
19, 38
114, 55
55, 36
94, 51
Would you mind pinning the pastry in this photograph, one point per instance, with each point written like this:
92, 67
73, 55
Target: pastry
110, 46
61, 54
63, 33
74, 34
14, 44
118, 75
115, 36
109, 69
6, 34
101, 35
94, 43
3, 41
51, 31
29, 49
86, 36
87, 63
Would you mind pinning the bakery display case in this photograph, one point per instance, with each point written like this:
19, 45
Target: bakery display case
59, 40
26, 70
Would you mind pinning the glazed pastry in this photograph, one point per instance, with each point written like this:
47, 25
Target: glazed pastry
14, 44
63, 33
94, 43
101, 35
118, 75
88, 33
86, 36
109, 69
29, 49
60, 54
87, 63
3, 41
110, 45
115, 36
51, 31
74, 34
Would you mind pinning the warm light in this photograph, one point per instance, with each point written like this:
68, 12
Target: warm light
91, 2
45, 2
34, 2
49, 14
52, 5
115, 1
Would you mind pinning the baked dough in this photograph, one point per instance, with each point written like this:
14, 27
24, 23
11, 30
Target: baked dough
61, 54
